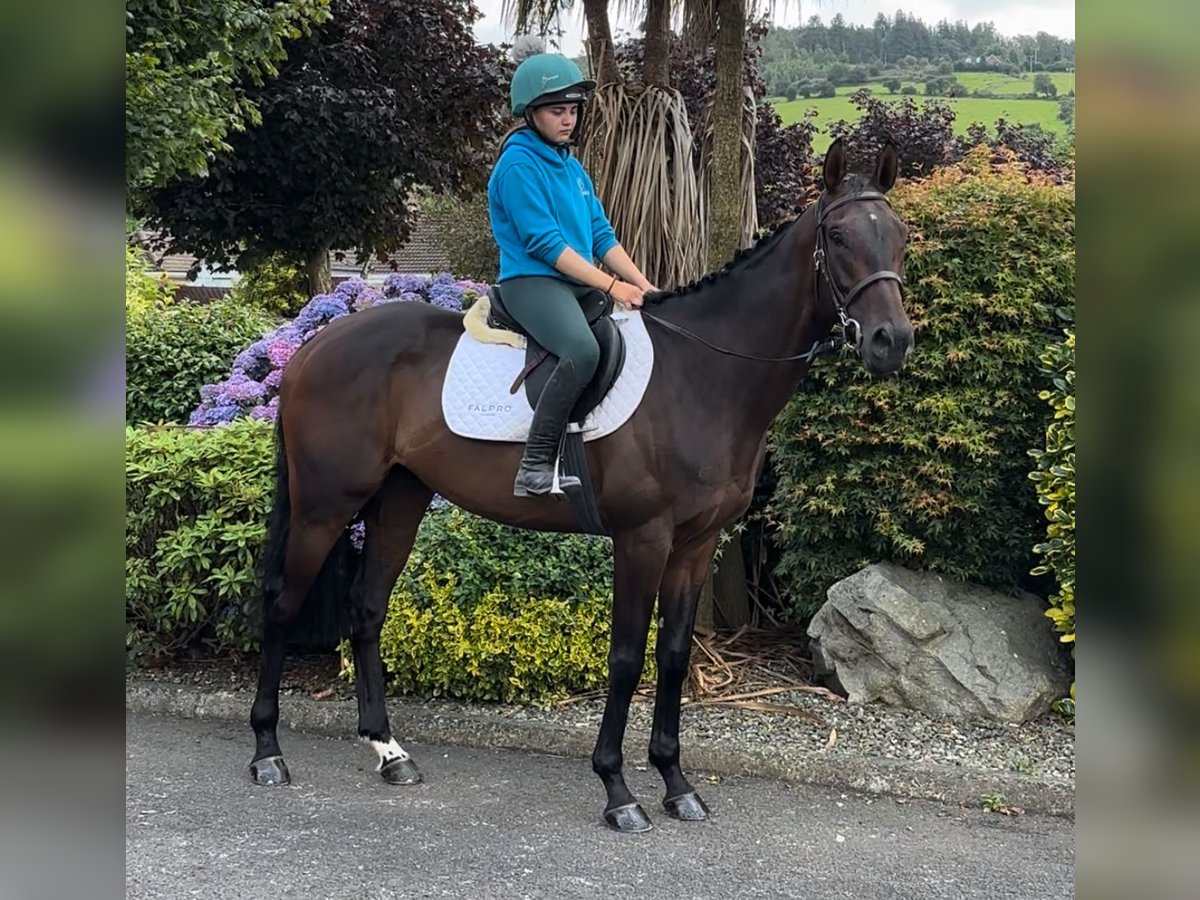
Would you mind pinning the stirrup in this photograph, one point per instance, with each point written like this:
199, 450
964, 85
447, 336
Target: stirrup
558, 485
561, 481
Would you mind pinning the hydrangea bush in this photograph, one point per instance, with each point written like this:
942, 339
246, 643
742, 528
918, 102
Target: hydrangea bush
252, 388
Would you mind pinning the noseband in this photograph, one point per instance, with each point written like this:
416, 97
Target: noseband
851, 328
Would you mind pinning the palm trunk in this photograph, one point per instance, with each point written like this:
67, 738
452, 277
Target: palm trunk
724, 236
725, 203
319, 279
599, 42
658, 30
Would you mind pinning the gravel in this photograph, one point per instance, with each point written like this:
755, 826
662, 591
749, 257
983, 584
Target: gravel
869, 747
1045, 747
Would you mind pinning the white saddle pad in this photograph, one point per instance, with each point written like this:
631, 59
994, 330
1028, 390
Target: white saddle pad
476, 402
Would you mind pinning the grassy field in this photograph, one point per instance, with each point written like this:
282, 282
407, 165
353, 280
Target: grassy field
968, 110
1006, 84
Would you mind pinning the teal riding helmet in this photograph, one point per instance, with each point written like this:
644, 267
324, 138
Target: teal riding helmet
547, 78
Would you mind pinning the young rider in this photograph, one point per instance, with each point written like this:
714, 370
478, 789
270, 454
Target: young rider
549, 227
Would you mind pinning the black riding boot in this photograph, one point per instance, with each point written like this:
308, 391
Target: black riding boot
536, 475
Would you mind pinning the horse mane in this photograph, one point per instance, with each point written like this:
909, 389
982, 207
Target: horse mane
741, 260
853, 183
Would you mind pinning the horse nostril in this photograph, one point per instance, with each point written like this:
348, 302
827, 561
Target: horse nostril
883, 339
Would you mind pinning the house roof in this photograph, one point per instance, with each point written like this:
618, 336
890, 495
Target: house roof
420, 255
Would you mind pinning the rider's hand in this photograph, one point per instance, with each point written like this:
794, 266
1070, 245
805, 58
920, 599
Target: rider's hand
626, 294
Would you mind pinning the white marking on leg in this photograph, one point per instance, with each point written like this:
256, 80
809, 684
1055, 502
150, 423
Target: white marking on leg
874, 218
388, 752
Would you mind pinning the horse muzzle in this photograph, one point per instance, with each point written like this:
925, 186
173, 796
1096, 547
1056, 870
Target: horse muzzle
885, 347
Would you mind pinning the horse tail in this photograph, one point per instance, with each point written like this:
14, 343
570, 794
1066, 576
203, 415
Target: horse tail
323, 618
278, 526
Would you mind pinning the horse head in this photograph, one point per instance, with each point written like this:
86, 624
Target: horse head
859, 259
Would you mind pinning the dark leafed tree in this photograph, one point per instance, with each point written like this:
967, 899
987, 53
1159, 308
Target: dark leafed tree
185, 70
386, 96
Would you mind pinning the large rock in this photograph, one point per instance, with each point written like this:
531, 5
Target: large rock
938, 645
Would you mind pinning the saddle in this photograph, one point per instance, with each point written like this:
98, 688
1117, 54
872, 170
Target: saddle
540, 362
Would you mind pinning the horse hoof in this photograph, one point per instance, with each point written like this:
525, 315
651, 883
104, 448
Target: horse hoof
401, 771
628, 819
686, 807
270, 770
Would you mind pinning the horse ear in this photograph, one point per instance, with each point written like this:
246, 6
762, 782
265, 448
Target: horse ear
887, 167
835, 165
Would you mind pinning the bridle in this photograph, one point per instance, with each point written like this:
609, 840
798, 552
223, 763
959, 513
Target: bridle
842, 301
851, 328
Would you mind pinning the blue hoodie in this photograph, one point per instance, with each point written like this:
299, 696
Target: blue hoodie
540, 201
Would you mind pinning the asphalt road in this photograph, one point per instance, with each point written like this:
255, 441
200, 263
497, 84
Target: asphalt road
499, 824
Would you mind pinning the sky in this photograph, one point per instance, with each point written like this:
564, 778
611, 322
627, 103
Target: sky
1011, 17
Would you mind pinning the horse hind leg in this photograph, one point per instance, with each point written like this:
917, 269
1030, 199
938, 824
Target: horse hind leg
307, 548
392, 519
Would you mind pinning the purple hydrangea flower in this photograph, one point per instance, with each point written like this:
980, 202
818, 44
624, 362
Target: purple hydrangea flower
257, 372
446, 295
215, 415
281, 351
241, 390
266, 411
478, 288
288, 332
253, 360
349, 289
319, 310
395, 285
358, 534
367, 297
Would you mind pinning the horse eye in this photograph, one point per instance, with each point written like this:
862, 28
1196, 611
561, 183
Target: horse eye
837, 239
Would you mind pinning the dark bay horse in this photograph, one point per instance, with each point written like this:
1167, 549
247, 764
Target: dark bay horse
361, 429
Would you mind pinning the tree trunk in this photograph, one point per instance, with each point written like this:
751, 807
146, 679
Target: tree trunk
728, 589
725, 204
658, 30
319, 279
599, 42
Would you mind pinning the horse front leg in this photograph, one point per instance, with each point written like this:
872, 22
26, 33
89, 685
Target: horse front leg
638, 560
682, 581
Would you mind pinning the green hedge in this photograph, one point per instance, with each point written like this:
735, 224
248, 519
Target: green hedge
1055, 480
196, 507
930, 468
482, 612
502, 646
480, 557
174, 348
